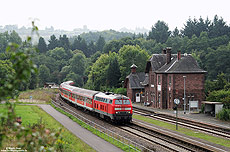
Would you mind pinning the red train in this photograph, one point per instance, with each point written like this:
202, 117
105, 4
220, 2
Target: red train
116, 107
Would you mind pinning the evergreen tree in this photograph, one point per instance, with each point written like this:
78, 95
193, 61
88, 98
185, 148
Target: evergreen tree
53, 42
64, 42
160, 32
42, 47
100, 43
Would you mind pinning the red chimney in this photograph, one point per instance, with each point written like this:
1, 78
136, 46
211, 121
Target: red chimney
133, 68
178, 55
168, 55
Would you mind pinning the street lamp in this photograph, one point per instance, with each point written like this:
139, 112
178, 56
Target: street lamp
184, 94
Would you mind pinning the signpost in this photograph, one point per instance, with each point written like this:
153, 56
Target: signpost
176, 101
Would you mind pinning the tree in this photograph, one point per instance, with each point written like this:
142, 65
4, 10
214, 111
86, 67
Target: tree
44, 74
78, 64
97, 75
53, 42
92, 48
15, 38
80, 44
217, 61
42, 47
129, 55
218, 28
64, 42
112, 46
77, 79
6, 70
113, 72
60, 57
100, 43
160, 32
195, 27
6, 38
23, 67
176, 33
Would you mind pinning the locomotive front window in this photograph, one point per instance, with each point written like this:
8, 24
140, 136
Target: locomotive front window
118, 101
126, 102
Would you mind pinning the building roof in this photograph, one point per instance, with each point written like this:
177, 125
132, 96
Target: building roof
146, 81
135, 79
187, 64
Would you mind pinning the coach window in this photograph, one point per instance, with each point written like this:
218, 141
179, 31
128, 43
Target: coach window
111, 101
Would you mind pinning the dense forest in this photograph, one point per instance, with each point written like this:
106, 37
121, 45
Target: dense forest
102, 60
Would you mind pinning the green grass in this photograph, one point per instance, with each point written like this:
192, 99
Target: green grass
39, 94
100, 134
32, 114
188, 132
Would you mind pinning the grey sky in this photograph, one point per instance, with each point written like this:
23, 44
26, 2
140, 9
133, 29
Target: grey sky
109, 14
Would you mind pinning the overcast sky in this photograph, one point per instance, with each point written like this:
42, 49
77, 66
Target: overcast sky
109, 14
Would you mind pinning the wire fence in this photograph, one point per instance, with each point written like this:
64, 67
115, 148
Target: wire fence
107, 134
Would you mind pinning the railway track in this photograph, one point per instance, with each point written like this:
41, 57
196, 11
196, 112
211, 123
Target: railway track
203, 127
167, 140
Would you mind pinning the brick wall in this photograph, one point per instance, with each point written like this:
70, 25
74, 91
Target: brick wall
194, 87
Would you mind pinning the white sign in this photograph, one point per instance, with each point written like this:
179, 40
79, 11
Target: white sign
159, 87
193, 104
176, 101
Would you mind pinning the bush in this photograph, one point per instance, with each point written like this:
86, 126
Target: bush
220, 96
224, 114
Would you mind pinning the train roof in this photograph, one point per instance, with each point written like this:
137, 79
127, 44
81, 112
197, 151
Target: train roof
76, 90
85, 92
111, 96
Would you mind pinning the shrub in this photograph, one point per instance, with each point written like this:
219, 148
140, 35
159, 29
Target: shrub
220, 96
224, 114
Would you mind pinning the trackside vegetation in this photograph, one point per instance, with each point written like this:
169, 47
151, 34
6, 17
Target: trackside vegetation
36, 118
111, 139
188, 132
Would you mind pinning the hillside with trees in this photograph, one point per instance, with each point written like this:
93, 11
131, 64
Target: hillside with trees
101, 60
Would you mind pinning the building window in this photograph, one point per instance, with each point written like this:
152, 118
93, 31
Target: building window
159, 98
170, 81
159, 79
170, 98
152, 79
147, 96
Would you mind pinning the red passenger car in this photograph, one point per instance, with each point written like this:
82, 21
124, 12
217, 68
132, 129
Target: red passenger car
108, 105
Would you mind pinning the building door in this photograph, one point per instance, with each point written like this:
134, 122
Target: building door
138, 99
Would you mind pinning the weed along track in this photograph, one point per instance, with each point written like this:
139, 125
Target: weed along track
202, 127
167, 139
139, 135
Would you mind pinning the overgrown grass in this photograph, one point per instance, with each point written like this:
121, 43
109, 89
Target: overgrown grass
102, 135
188, 132
32, 114
38, 94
